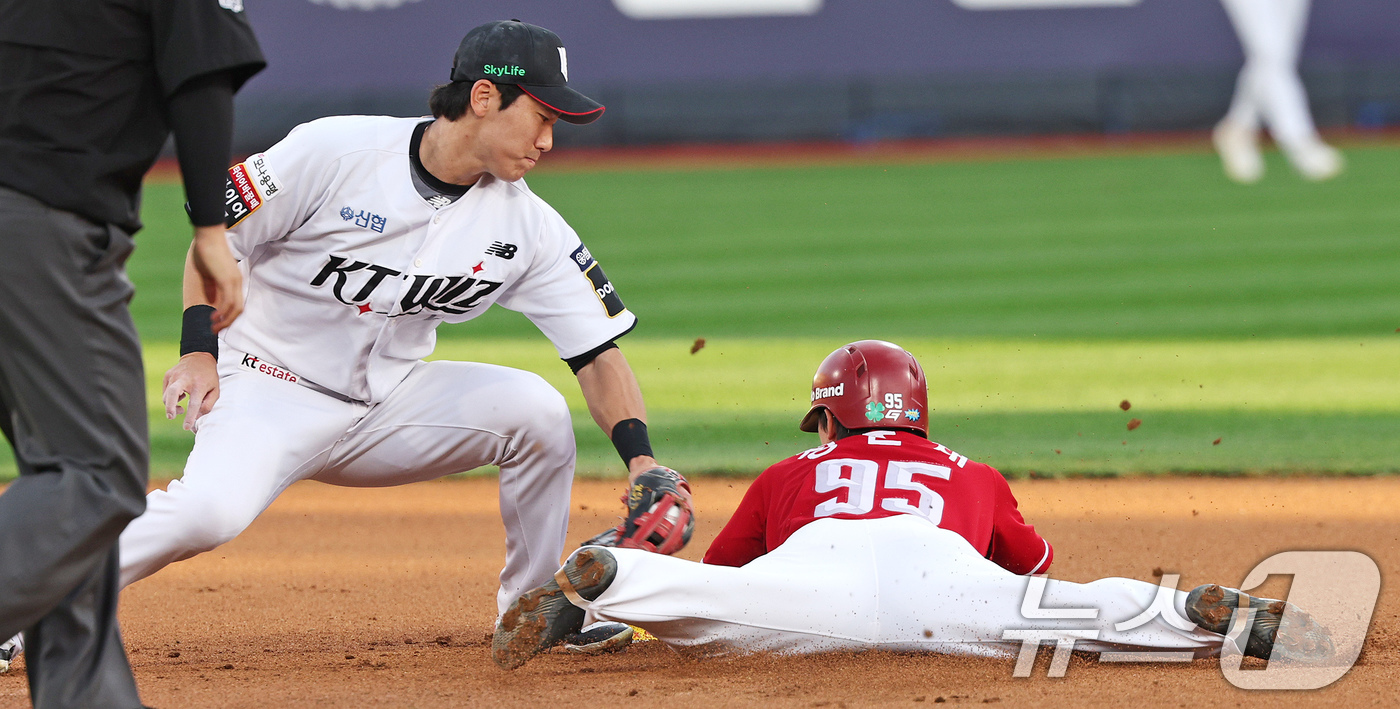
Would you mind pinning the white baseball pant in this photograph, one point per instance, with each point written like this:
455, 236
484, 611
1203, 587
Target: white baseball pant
265, 433
898, 583
1268, 90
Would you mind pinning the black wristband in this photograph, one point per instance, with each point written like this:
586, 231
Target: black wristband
630, 439
197, 333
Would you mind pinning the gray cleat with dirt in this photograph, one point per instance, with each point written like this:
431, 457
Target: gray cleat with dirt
546, 617
1275, 624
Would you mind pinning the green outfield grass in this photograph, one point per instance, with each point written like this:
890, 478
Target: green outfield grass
1038, 293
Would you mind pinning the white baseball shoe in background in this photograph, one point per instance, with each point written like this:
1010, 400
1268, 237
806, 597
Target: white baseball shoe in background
1238, 147
1316, 161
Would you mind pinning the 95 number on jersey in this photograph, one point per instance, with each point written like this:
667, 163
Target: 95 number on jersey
859, 479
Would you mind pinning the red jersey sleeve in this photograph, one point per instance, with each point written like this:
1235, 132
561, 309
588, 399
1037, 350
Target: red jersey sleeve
743, 538
1015, 545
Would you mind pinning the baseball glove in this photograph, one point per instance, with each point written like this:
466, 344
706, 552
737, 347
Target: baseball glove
659, 517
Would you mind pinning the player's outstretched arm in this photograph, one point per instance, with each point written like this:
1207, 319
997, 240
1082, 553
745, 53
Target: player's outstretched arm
660, 513
196, 374
613, 396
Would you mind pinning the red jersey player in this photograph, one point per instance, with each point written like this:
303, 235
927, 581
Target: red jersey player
881, 474
891, 470
877, 539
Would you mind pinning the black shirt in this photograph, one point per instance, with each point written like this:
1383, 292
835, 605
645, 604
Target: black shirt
84, 86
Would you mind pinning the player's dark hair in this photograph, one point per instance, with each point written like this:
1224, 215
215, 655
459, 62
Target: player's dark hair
450, 100
839, 431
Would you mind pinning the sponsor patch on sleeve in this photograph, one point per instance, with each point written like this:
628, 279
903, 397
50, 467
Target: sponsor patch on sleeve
250, 183
602, 288
582, 258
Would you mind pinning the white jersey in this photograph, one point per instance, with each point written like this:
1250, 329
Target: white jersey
349, 270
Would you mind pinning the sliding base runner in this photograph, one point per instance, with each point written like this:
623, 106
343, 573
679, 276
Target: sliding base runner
880, 539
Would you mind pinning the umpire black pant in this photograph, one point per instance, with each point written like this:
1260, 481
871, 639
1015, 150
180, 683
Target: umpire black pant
73, 405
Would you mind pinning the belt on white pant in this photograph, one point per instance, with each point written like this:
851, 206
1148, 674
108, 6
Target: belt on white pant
276, 371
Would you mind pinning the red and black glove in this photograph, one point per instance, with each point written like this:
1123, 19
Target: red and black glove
659, 515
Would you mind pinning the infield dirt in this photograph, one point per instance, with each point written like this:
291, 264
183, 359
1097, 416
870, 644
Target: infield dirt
340, 597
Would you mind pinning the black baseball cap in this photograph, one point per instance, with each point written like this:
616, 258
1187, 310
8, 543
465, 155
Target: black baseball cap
531, 57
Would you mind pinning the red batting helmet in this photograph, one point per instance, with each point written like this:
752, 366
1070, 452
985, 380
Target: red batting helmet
870, 384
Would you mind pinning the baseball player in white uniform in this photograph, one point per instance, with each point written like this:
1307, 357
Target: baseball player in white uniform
1269, 94
880, 538
357, 236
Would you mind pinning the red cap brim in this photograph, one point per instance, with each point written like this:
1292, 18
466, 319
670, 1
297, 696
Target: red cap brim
573, 107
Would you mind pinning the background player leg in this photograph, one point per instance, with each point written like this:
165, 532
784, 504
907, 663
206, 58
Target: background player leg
449, 417
1236, 137
262, 435
73, 405
1271, 33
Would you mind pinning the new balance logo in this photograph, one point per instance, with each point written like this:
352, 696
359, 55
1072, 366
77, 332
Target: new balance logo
505, 251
